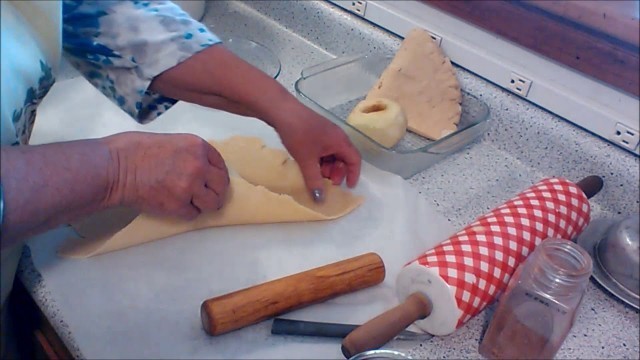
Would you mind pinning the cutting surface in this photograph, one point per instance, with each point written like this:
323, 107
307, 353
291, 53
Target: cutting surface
143, 302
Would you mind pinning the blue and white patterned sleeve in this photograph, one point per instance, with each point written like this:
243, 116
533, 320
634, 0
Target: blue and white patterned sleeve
120, 46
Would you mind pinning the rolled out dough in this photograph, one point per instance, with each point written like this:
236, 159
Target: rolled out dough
266, 187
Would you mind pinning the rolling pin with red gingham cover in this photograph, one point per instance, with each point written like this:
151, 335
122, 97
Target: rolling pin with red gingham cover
447, 285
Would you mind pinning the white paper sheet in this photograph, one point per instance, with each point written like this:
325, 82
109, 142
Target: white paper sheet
143, 302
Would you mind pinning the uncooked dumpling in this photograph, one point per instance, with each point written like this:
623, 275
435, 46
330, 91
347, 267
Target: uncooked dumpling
424, 82
266, 187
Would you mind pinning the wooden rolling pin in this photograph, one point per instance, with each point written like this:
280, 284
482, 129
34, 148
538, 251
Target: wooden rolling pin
251, 305
551, 208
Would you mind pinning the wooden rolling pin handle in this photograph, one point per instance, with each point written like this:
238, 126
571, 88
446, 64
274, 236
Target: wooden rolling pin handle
384, 327
591, 185
241, 308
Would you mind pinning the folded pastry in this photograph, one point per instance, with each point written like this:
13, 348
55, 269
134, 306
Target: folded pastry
266, 186
422, 80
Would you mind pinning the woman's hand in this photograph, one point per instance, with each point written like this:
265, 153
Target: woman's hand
52, 184
321, 148
166, 174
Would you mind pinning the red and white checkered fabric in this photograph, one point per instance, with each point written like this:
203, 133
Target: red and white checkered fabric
479, 260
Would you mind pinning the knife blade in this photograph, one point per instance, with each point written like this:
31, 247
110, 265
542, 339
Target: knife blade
322, 329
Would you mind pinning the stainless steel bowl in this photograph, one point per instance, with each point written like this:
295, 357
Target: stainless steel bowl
379, 354
618, 254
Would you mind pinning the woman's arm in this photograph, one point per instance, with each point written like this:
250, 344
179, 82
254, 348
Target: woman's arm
145, 56
215, 77
48, 185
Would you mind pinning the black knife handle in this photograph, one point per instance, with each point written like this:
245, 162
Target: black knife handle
310, 328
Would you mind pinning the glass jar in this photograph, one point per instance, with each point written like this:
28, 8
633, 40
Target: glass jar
539, 306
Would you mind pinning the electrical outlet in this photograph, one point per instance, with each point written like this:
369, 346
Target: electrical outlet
436, 38
519, 84
357, 7
625, 136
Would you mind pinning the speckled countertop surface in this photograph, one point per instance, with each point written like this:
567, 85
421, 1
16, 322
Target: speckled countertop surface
523, 145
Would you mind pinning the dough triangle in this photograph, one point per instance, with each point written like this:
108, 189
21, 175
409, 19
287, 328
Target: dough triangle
422, 80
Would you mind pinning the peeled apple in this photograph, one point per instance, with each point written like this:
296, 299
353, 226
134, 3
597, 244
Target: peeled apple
380, 119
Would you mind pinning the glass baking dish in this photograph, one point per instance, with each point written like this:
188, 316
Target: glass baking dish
333, 88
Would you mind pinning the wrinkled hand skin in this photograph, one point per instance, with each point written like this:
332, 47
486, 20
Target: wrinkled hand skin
178, 175
321, 148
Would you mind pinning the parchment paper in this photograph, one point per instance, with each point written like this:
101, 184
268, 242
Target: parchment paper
143, 302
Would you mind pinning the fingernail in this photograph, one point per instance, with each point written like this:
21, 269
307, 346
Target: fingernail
318, 195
